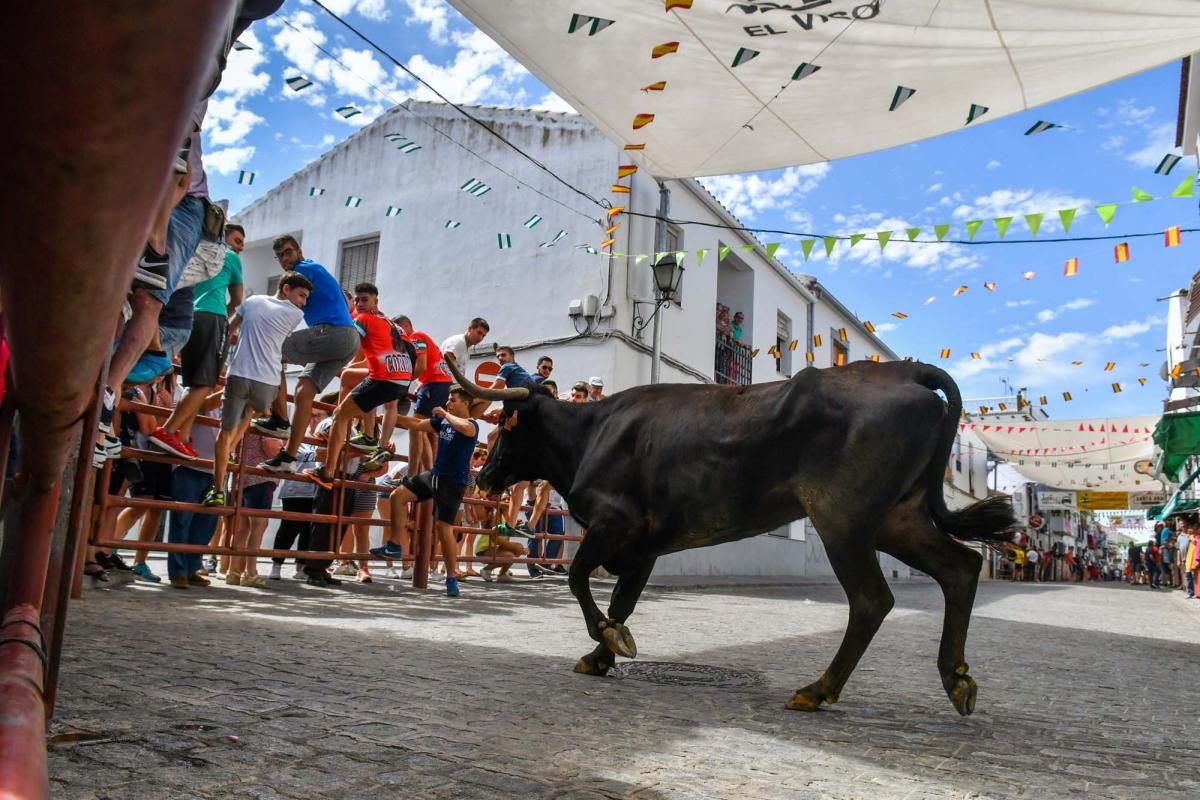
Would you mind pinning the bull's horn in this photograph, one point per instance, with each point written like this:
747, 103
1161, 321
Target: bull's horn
475, 390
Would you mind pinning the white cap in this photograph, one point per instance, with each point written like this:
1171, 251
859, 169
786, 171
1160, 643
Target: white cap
596, 380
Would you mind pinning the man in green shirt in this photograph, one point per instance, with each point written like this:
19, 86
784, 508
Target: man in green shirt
204, 354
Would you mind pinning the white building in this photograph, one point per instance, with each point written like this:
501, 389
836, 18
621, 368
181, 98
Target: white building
442, 274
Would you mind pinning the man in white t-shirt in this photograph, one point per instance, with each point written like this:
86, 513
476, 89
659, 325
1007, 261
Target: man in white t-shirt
460, 344
1031, 564
252, 380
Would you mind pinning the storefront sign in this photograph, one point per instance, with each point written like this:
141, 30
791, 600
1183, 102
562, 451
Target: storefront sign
1103, 501
1056, 501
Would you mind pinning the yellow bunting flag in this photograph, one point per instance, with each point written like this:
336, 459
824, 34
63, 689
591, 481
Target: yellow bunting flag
754, 353
843, 335
1004, 406
657, 86
875, 358
609, 230
839, 360
816, 340
773, 351
984, 409
607, 242
793, 344
635, 147
664, 49
989, 285
1116, 388
1067, 396
1042, 401
899, 315
1110, 366
1072, 267
1142, 381
870, 328
1077, 363
1173, 236
1121, 252
945, 352
673, 4
619, 189
642, 120
976, 357
960, 290
810, 357
1028, 275
625, 170
1176, 370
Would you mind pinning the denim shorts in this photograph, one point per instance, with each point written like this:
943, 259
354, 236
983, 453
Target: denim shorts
183, 234
173, 339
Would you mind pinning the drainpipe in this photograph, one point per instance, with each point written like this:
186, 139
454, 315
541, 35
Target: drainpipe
811, 315
660, 242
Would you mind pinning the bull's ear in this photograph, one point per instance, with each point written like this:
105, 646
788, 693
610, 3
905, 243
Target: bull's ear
511, 422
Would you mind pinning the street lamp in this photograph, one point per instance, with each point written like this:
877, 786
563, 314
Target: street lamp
668, 272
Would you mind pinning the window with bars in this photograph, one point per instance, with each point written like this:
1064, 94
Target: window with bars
783, 339
358, 262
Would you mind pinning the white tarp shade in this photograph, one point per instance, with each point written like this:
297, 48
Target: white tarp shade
1075, 454
730, 103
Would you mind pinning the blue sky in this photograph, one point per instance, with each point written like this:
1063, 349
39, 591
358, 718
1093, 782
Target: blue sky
1026, 331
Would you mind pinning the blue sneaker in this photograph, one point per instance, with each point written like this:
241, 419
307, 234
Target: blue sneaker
143, 571
389, 550
452, 587
148, 367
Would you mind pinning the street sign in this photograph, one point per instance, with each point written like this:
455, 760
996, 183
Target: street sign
1103, 501
485, 374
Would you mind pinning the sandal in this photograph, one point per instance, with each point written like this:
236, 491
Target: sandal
92, 569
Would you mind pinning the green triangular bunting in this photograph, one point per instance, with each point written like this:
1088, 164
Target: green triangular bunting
771, 248
1067, 215
701, 252
724, 251
1034, 221
941, 230
830, 242
884, 238
855, 238
660, 256
973, 227
913, 233
1107, 212
1002, 224
1187, 188
1140, 196
806, 247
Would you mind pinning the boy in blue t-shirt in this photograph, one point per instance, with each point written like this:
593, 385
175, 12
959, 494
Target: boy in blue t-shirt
445, 483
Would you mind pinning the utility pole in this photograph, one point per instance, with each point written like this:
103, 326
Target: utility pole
660, 244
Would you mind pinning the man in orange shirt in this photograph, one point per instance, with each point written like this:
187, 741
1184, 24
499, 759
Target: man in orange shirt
434, 393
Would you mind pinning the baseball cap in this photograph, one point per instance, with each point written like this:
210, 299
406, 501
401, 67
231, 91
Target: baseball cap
596, 380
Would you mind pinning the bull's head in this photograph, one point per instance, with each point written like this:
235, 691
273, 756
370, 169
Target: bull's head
512, 457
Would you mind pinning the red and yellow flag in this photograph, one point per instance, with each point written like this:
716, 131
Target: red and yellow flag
1121, 252
1110, 366
1173, 236
945, 352
635, 147
989, 285
976, 357
673, 4
664, 49
1176, 370
612, 212
960, 290
1067, 396
899, 315
657, 86
810, 357
642, 120
610, 229
1028, 275
619, 189
869, 326
839, 359
843, 335
875, 358
1116, 387
607, 243
816, 340
625, 170
792, 345
1072, 267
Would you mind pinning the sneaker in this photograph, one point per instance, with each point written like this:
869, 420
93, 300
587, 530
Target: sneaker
108, 409
393, 574
113, 561
364, 576
107, 447
320, 478
272, 426
169, 442
379, 458
211, 566
190, 450
233, 578
143, 571
389, 551
153, 269
437, 577
524, 529
452, 587
406, 574
214, 497
486, 573
276, 572
393, 481
345, 568
360, 441
179, 582
196, 579
556, 569
149, 366
299, 575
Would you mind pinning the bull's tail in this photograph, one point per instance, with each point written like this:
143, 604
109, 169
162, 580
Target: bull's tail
986, 520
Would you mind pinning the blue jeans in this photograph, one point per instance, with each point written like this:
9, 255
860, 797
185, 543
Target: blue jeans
183, 234
187, 527
1191, 584
552, 547
173, 339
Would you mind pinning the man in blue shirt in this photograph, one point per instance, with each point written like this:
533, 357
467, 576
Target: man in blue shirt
324, 347
445, 484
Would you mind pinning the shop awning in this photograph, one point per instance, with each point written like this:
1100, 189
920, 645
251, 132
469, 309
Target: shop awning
709, 87
1178, 436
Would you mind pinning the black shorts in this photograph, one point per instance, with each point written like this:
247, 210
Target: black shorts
371, 394
447, 496
155, 483
431, 396
202, 357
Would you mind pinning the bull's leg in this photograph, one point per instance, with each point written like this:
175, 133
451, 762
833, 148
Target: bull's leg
870, 599
910, 536
624, 597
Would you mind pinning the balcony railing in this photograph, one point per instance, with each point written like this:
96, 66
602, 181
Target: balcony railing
732, 364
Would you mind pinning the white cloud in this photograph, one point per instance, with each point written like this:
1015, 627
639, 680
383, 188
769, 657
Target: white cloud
228, 160
1113, 143
435, 14
1127, 114
228, 120
937, 187
1016, 303
1160, 140
884, 327
968, 367
552, 102
746, 195
371, 9
994, 164
1131, 329
1048, 314
481, 72
1018, 202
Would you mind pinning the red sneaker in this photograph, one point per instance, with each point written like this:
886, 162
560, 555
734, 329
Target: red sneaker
191, 451
170, 443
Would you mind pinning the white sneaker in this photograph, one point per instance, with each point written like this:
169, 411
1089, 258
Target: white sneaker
406, 574
486, 573
346, 568
276, 572
299, 575
437, 577
392, 573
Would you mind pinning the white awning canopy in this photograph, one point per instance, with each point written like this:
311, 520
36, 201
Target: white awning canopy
745, 85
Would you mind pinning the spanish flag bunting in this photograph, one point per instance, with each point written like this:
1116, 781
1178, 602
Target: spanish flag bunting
1072, 267
619, 189
899, 315
1176, 370
1110, 366
1028, 275
989, 285
754, 353
625, 170
609, 230
810, 357
635, 147
1142, 381
607, 242
1042, 401
843, 335
875, 358
839, 360
960, 290
673, 4
1004, 406
773, 351
1173, 236
976, 357
984, 409
657, 86
816, 340
945, 352
664, 49
1121, 252
612, 212
642, 120
870, 328
1067, 396
1116, 387
793, 344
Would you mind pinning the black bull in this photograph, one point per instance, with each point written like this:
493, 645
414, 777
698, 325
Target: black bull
860, 450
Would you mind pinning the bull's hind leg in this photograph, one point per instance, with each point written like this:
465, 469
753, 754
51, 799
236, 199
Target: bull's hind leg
870, 599
624, 597
909, 535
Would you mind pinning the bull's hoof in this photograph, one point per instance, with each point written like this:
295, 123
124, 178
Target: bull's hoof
619, 640
805, 700
962, 691
591, 665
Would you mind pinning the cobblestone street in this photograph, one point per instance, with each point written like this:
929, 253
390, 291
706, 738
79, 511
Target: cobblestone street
382, 691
